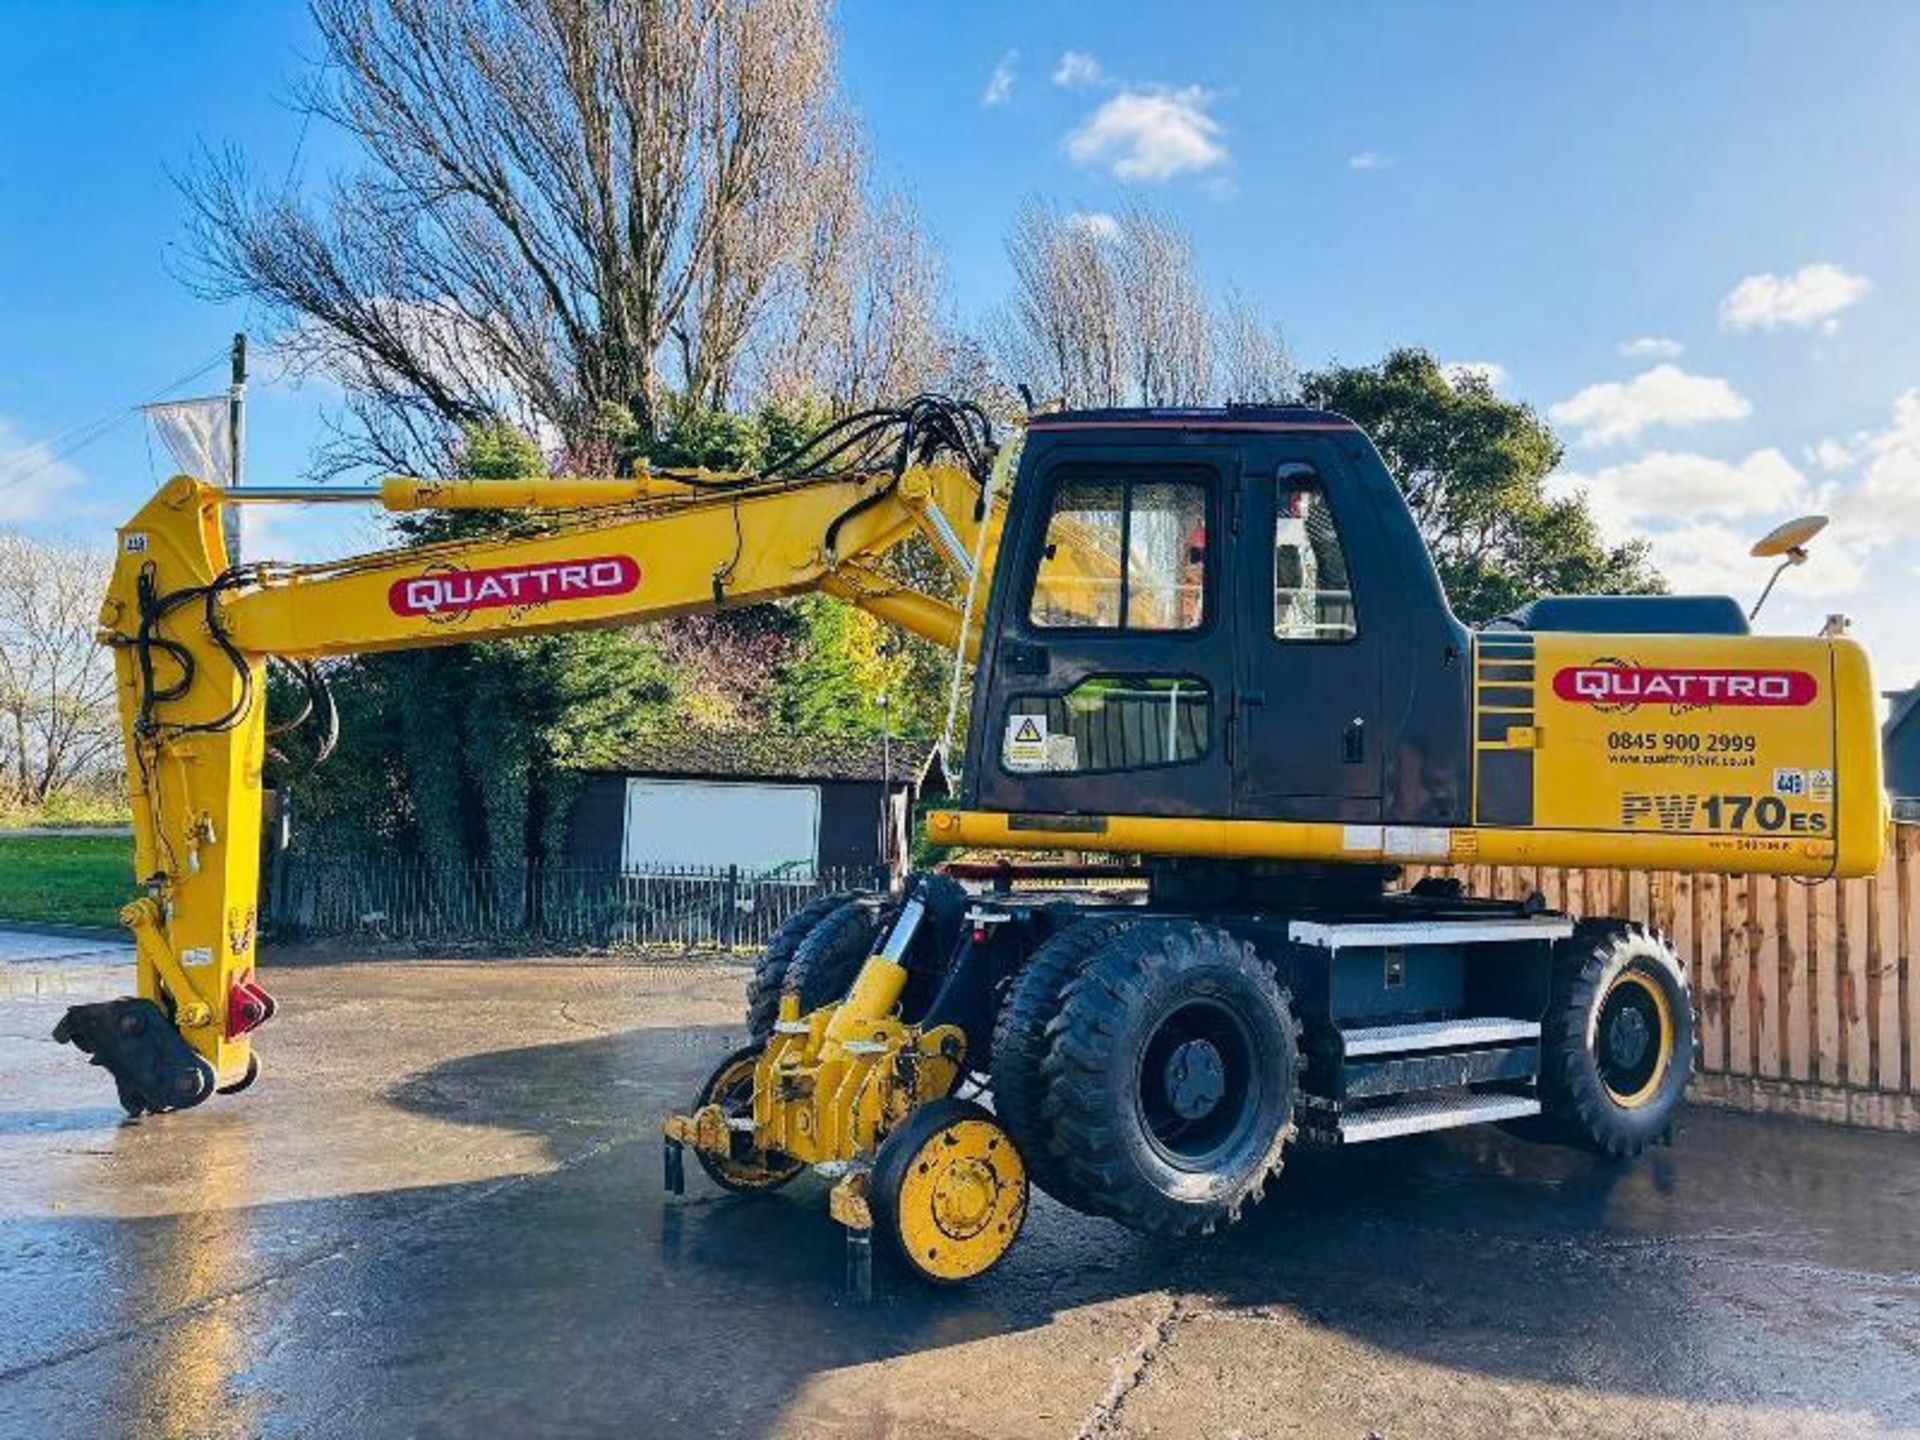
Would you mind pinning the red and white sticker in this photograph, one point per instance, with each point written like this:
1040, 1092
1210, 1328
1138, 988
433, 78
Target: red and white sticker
441, 593
1624, 685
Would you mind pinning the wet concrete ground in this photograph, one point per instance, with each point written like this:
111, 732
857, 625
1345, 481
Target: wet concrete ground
440, 1213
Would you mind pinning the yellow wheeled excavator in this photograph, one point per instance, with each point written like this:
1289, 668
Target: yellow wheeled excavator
1208, 643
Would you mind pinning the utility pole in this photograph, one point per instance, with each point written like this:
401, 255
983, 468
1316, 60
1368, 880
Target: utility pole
236, 443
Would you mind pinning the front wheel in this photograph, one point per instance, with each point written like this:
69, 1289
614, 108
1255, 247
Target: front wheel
1617, 1046
1170, 1078
948, 1192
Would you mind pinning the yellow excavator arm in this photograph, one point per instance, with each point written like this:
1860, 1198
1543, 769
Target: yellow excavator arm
191, 634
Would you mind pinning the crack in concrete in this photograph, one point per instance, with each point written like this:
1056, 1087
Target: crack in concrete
1130, 1371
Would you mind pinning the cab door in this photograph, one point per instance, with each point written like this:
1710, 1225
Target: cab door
1107, 681
1305, 729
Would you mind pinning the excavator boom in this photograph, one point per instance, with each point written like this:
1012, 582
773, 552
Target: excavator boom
191, 635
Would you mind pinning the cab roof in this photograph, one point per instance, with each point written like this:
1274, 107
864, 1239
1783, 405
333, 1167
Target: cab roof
1220, 417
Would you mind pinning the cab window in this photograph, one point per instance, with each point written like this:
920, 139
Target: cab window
1312, 595
1123, 554
1109, 722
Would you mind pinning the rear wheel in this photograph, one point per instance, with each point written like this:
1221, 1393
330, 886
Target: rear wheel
1170, 1078
827, 960
1617, 1046
770, 971
833, 952
1020, 1049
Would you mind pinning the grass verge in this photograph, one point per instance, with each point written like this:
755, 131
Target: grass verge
83, 880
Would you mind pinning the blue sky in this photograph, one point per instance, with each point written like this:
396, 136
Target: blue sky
1525, 186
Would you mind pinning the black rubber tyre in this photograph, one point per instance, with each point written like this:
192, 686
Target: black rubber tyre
834, 950
830, 956
1617, 1046
934, 946
1171, 1074
1020, 1047
770, 970
948, 1192
749, 1171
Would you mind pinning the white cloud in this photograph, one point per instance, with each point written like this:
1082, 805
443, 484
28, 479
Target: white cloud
1078, 70
1652, 347
1096, 223
1886, 503
1491, 371
1813, 295
1665, 395
1150, 134
1000, 83
32, 481
1716, 559
1366, 160
1700, 517
1679, 487
1829, 455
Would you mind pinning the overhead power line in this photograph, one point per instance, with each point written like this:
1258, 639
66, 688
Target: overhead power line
72, 441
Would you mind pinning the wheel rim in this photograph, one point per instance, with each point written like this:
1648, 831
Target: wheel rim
745, 1168
1633, 1039
962, 1200
1197, 1091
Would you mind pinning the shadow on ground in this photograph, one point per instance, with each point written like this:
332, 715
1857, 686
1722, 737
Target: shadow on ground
1757, 1263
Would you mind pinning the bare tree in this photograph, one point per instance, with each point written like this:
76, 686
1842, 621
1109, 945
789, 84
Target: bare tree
1168, 336
57, 692
1063, 328
569, 209
1251, 362
1112, 310
865, 324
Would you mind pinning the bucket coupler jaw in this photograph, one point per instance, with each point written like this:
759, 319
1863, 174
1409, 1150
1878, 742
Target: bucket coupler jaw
153, 1068
154, 1045
832, 1084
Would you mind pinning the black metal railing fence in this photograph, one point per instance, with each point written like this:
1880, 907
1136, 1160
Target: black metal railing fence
726, 907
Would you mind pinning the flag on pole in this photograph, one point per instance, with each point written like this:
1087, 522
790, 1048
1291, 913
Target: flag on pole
198, 434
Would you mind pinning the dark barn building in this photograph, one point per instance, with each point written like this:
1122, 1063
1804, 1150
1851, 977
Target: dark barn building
768, 803
1900, 751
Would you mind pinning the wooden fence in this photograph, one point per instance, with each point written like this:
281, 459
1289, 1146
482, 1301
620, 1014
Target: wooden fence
1809, 994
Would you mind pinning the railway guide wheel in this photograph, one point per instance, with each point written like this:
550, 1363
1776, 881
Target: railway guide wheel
948, 1192
745, 1170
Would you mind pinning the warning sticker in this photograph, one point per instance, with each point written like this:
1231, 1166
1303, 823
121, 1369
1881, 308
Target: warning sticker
1026, 747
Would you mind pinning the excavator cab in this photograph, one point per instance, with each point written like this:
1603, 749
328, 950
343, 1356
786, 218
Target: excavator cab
1217, 614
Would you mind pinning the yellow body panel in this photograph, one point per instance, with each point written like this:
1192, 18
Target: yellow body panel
1737, 754
1761, 752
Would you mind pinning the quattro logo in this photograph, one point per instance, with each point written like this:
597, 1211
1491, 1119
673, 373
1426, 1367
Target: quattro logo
1615, 687
442, 593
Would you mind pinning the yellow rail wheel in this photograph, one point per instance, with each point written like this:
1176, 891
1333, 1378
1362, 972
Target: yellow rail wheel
1617, 1044
746, 1170
948, 1192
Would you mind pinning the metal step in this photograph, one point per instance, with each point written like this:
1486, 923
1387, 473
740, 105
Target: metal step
1491, 930
1432, 1112
1437, 1035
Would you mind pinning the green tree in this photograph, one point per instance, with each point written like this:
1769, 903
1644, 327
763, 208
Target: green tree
1473, 467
